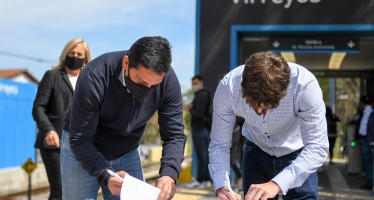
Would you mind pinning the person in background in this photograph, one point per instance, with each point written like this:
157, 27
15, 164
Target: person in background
370, 141
285, 128
54, 94
332, 130
116, 94
200, 126
356, 120
365, 150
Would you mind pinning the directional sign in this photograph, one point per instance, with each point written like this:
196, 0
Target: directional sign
29, 166
315, 45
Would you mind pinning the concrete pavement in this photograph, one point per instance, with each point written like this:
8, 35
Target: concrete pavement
334, 184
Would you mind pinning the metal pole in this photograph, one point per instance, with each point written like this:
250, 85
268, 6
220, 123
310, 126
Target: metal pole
332, 96
29, 194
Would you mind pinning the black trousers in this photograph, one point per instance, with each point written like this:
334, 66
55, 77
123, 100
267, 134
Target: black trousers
332, 141
51, 159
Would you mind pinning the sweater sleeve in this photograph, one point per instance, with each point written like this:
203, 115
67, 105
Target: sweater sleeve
84, 117
172, 128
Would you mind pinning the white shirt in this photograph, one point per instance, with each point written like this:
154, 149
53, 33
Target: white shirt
73, 80
299, 121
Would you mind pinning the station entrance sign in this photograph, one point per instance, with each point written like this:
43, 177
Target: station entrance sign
314, 45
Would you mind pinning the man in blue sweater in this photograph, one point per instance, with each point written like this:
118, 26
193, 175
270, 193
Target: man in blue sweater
116, 94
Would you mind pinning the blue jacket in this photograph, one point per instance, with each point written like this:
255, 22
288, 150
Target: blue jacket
104, 117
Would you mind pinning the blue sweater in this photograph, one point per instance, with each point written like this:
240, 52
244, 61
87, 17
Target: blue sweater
104, 117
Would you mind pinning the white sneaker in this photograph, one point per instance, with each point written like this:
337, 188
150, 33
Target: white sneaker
205, 184
194, 184
208, 184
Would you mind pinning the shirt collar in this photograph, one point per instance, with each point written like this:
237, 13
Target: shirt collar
122, 77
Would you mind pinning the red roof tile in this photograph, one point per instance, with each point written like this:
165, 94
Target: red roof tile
11, 73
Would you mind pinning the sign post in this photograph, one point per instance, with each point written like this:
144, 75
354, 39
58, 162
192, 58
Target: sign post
29, 167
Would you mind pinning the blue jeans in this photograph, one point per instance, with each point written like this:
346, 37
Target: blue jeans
259, 167
78, 184
200, 140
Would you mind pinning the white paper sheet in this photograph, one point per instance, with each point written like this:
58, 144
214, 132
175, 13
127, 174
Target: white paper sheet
135, 189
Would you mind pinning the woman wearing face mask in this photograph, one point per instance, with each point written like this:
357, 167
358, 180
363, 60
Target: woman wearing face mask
54, 94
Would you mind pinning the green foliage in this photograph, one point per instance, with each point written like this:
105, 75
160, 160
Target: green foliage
152, 133
347, 97
187, 99
325, 86
347, 94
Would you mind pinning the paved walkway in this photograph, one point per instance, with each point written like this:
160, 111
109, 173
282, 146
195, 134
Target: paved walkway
334, 184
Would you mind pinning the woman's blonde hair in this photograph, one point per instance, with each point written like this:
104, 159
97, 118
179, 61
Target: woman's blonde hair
69, 46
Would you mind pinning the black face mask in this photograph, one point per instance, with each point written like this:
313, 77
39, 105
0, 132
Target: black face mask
140, 92
74, 63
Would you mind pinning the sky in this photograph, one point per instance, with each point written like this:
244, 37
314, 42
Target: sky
39, 29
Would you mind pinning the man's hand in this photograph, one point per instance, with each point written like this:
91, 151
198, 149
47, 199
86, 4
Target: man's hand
167, 186
262, 191
224, 193
52, 139
114, 183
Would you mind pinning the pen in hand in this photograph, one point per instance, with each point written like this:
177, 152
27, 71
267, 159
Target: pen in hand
113, 174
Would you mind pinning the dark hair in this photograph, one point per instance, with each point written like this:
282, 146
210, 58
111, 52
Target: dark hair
265, 79
200, 78
152, 52
367, 99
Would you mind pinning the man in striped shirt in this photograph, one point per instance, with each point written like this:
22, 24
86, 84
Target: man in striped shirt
285, 128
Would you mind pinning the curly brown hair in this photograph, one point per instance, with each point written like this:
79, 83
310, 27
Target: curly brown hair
266, 77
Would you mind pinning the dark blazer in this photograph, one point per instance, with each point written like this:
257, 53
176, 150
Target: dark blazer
52, 99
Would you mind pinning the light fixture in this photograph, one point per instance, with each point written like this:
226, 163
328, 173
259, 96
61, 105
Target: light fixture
336, 60
289, 56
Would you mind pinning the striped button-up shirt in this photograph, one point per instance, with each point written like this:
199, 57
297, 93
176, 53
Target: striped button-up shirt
299, 121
